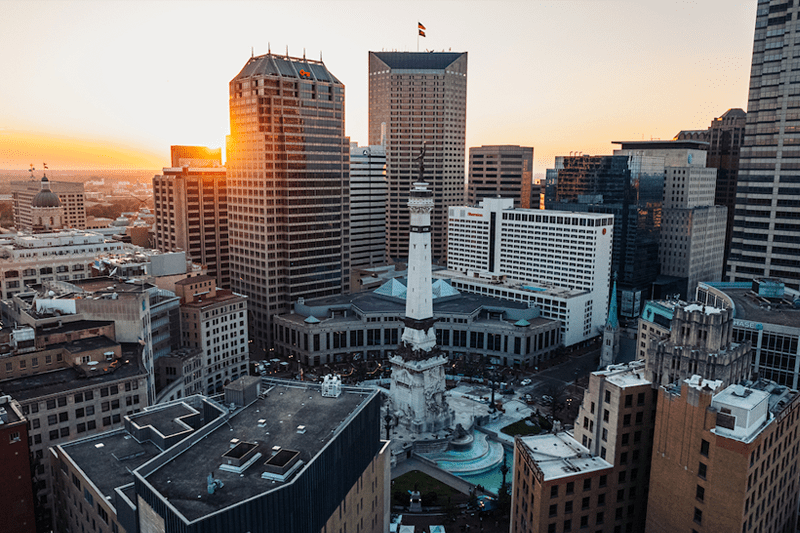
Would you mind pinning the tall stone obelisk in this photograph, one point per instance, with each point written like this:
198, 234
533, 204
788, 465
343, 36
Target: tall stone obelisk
418, 381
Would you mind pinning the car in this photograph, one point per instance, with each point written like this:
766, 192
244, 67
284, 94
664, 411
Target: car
547, 400
507, 391
525, 382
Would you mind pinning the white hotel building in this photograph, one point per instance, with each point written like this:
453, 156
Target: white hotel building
559, 261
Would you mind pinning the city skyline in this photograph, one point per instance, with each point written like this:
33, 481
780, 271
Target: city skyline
92, 85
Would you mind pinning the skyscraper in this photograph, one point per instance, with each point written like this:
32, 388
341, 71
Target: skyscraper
631, 187
422, 97
191, 209
767, 216
288, 161
724, 145
367, 206
501, 171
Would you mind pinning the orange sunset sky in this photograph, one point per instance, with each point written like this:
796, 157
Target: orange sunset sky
111, 85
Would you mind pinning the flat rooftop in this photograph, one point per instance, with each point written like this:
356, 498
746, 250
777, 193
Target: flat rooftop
268, 422
65, 380
109, 458
626, 375
752, 308
559, 455
510, 283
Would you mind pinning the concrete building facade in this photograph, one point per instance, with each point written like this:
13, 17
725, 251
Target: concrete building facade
70, 194
421, 97
502, 171
16, 492
368, 196
215, 321
191, 214
764, 238
288, 187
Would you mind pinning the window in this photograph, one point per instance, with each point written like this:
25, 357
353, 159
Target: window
600, 518
62, 401
601, 499
13, 436
63, 417
65, 432
79, 413
608, 396
628, 400
554, 509
700, 493
704, 445
585, 503
623, 476
571, 487
568, 507
626, 437
626, 420
623, 458
567, 525
52, 420
51, 403
605, 415
554, 491
603, 480
701, 470
698, 515
640, 399
584, 521
89, 410
639, 417
105, 406
587, 484
604, 435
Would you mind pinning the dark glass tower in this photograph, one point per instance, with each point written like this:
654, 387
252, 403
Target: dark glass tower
288, 196
767, 217
631, 188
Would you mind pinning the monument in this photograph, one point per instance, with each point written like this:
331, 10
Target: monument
418, 382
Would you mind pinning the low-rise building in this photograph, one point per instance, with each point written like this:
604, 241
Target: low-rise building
367, 325
215, 321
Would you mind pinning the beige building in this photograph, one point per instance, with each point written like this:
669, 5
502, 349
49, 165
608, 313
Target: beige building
594, 478
70, 381
70, 194
191, 212
419, 96
724, 459
699, 342
214, 321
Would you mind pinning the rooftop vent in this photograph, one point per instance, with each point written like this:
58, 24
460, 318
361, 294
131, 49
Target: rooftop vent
213, 484
282, 465
301, 429
331, 386
240, 456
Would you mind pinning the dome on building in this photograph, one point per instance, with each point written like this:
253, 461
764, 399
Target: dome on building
45, 197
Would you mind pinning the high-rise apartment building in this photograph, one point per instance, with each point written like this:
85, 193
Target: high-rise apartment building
422, 98
288, 187
766, 221
368, 193
191, 209
692, 228
630, 187
724, 459
725, 137
505, 171
15, 467
70, 195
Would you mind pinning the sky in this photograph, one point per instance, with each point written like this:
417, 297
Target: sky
112, 84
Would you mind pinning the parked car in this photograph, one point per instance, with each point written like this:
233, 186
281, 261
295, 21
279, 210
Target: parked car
525, 382
547, 400
507, 391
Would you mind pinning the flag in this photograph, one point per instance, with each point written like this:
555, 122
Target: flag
44, 165
420, 26
422, 33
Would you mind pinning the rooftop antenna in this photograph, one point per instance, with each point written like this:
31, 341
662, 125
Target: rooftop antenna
44, 171
304, 54
252, 54
269, 47
287, 51
320, 56
31, 170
